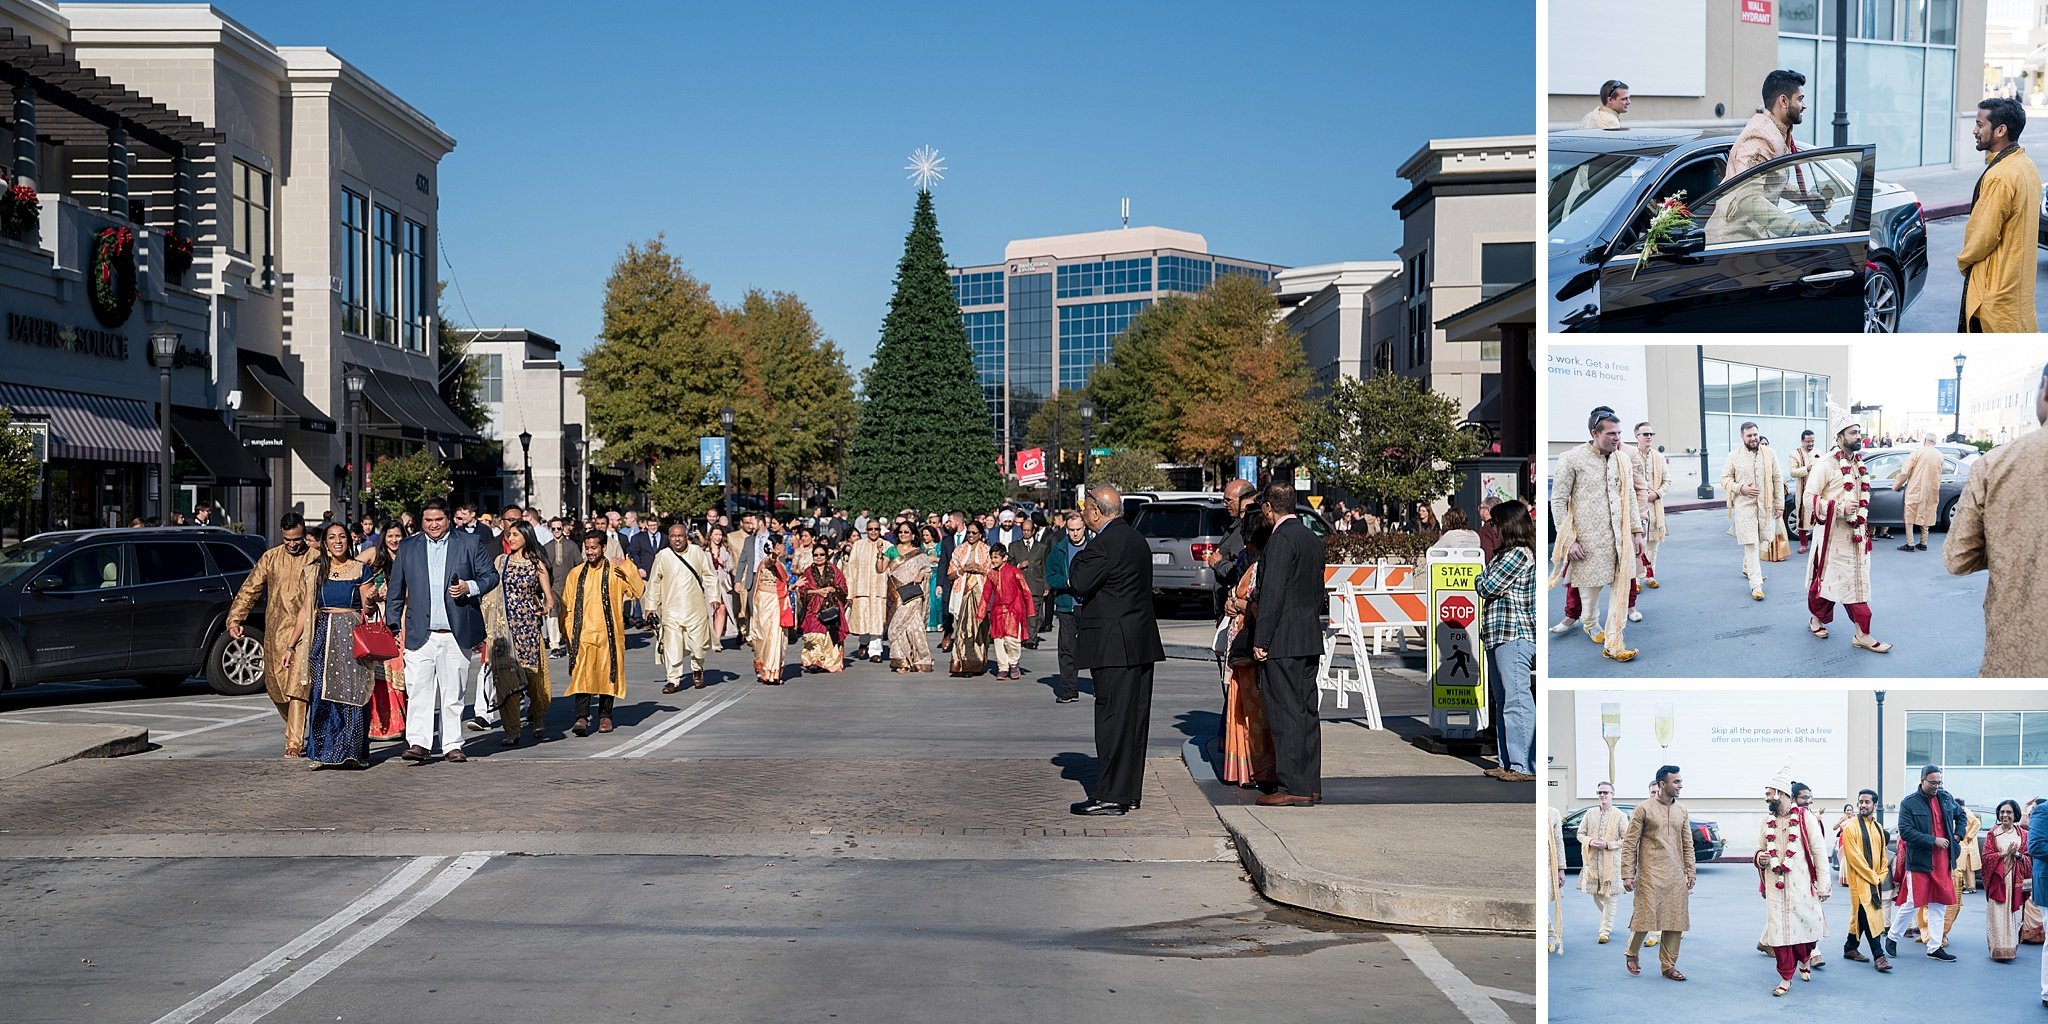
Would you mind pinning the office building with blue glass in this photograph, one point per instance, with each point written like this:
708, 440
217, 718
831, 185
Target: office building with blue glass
1042, 320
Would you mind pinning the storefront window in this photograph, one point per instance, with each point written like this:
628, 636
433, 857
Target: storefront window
355, 245
1923, 737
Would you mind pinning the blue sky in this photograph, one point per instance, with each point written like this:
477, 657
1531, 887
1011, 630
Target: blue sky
767, 140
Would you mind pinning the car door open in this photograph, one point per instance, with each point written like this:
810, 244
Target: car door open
1781, 247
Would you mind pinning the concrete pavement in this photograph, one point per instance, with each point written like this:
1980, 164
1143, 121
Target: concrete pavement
1935, 309
26, 749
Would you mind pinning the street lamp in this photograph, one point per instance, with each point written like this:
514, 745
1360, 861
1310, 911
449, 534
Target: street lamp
526, 472
725, 471
1236, 450
1087, 442
163, 348
796, 483
1957, 437
354, 379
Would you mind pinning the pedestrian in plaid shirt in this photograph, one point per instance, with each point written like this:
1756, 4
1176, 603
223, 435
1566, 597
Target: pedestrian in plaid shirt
1508, 629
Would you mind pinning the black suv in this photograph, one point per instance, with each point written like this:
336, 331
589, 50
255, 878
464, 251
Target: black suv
146, 604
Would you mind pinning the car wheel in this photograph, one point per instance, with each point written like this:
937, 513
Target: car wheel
235, 667
1881, 300
163, 682
1943, 518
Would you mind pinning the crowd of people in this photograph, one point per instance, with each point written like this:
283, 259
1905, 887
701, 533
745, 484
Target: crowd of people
1900, 888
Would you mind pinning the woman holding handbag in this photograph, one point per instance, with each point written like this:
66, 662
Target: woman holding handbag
387, 696
338, 721
515, 638
822, 591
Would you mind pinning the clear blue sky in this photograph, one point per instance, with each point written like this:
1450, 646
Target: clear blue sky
767, 140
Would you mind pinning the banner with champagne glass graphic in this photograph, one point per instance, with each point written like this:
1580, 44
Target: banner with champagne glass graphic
1725, 745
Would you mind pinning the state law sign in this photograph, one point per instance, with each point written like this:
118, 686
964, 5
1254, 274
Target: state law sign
1031, 466
1756, 12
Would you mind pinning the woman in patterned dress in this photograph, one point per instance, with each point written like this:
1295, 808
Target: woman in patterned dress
969, 571
821, 591
525, 594
911, 571
337, 722
935, 608
387, 698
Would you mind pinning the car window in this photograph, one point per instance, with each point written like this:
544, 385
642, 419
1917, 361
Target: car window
97, 568
1785, 198
168, 561
1162, 520
228, 558
1884, 467
1695, 179
1586, 189
1314, 522
18, 561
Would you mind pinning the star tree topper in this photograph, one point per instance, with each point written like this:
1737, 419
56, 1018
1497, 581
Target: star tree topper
926, 166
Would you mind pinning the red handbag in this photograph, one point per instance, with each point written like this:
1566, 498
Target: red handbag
374, 642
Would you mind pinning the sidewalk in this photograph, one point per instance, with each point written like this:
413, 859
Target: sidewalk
24, 748
1945, 191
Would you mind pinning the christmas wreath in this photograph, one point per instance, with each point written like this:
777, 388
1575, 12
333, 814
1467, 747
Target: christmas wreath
19, 212
112, 275
177, 256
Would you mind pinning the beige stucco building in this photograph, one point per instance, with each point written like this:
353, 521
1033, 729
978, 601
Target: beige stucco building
532, 397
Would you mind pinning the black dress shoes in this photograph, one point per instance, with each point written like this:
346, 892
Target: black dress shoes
1092, 807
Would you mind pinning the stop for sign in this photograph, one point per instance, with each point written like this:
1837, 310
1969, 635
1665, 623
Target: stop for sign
1458, 610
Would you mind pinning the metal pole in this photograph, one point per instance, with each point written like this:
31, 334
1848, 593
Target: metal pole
355, 455
1705, 490
1841, 72
726, 470
1958, 432
1880, 758
163, 465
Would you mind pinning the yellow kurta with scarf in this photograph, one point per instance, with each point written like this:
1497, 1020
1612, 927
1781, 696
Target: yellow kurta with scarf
1999, 243
1972, 857
1996, 526
597, 664
867, 608
1648, 469
1754, 517
1865, 866
1600, 870
1920, 478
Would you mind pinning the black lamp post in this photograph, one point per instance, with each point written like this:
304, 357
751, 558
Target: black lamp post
526, 470
725, 471
354, 380
1087, 442
1957, 437
796, 473
163, 348
1236, 452
1053, 471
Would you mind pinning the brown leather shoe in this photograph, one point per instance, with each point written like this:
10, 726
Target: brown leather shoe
1856, 955
455, 756
1281, 799
604, 723
417, 754
581, 728
698, 681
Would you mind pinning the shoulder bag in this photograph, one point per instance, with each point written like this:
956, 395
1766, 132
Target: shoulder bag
372, 639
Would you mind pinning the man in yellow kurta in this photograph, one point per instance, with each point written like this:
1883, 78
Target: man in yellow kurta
1756, 490
1657, 866
1613, 103
1800, 470
867, 608
1997, 258
1838, 568
1920, 478
1997, 526
279, 580
679, 600
1600, 831
1648, 465
1865, 867
594, 611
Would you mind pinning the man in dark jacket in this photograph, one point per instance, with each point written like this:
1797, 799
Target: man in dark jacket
1118, 634
1287, 640
640, 546
1931, 827
1028, 555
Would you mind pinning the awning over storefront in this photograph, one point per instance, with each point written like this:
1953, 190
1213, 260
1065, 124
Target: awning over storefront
270, 374
417, 408
217, 448
95, 428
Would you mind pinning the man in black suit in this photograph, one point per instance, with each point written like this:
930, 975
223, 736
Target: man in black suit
1287, 640
1118, 634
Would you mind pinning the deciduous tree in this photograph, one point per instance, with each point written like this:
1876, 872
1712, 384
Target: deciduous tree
1387, 438
1231, 369
667, 361
1129, 469
17, 470
1127, 387
402, 483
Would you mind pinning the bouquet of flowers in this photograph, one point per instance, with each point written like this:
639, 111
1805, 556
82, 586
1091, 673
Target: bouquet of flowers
19, 212
1670, 215
177, 256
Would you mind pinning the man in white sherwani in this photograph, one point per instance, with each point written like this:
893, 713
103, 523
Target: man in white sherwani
1838, 566
678, 597
1756, 489
867, 606
1599, 530
1793, 877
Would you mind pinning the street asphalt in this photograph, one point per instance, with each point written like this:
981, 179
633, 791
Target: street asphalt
858, 847
1935, 309
1724, 971
1702, 622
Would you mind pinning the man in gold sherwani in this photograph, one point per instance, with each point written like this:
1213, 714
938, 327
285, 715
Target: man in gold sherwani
1657, 866
867, 585
1793, 876
1997, 258
1920, 478
1800, 470
1756, 491
279, 580
1651, 475
1600, 832
1599, 531
1838, 567
678, 599
1997, 526
594, 612
1865, 867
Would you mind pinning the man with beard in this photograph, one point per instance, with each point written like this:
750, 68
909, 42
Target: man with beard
1755, 488
1838, 567
1657, 866
1996, 527
1793, 877
1768, 135
1865, 867
678, 601
1801, 470
594, 602
1997, 257
278, 581
1930, 828
1599, 531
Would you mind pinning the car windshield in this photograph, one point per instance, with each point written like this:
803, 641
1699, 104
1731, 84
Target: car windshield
17, 560
1163, 521
1586, 189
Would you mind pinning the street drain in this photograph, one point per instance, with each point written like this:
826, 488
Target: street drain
1251, 934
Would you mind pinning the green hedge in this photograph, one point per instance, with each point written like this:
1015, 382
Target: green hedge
1367, 548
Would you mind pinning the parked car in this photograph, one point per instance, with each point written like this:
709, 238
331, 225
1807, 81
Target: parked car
1888, 507
146, 604
1853, 250
2042, 231
1181, 531
1707, 843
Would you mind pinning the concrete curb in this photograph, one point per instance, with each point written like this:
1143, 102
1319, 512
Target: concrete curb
28, 749
1944, 211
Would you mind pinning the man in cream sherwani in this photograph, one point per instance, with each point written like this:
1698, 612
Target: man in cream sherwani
679, 599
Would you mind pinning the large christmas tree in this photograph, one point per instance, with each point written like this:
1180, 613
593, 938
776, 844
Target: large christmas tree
924, 439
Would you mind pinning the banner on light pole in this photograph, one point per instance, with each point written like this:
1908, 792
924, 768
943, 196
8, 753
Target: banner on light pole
711, 452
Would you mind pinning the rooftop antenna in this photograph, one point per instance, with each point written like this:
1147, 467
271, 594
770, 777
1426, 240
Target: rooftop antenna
1127, 213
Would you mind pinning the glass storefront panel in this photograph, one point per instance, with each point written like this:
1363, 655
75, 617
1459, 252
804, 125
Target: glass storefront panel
1938, 125
1887, 87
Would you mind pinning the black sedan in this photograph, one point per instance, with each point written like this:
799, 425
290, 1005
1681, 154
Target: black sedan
1888, 507
1707, 843
1808, 242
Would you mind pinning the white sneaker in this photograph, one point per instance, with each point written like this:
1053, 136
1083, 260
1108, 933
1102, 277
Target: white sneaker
1565, 626
1634, 615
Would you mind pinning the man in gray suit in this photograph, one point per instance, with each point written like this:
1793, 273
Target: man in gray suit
1287, 640
446, 571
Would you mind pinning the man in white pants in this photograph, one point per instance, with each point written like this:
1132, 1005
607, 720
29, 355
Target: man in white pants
435, 583
678, 599
1931, 827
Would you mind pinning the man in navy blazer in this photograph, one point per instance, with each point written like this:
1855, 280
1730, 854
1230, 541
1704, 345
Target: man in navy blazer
444, 571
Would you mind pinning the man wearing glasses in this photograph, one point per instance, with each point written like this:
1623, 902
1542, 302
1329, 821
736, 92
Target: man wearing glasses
1600, 833
1650, 478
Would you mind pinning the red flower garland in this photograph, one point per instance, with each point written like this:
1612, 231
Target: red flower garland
111, 275
1858, 486
19, 211
177, 256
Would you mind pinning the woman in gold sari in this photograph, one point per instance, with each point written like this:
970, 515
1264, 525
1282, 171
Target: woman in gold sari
909, 651
2006, 871
1247, 741
767, 626
969, 571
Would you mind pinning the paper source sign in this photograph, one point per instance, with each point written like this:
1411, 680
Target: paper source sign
1031, 466
1756, 12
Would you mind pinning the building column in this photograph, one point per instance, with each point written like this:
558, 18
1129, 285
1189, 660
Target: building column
181, 172
25, 170
117, 170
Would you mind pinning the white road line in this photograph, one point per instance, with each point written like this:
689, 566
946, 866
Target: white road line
250, 702
162, 736
23, 721
704, 708
386, 891
304, 978
1506, 995
145, 714
1470, 999
655, 743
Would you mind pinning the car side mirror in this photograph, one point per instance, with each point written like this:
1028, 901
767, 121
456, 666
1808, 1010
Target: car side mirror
44, 585
1685, 241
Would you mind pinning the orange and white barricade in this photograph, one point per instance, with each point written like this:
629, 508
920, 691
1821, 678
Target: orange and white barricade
1367, 600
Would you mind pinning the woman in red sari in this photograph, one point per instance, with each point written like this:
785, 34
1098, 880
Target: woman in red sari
2007, 869
1247, 740
821, 590
1006, 606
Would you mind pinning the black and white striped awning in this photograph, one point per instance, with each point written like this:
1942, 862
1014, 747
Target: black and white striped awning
96, 428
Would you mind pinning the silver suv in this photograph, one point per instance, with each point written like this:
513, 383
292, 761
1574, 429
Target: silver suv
1182, 531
